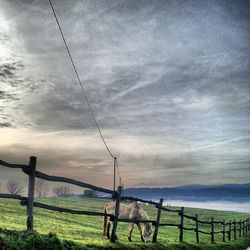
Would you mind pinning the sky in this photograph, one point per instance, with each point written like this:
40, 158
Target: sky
168, 82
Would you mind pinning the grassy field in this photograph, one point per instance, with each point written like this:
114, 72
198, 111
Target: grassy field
87, 230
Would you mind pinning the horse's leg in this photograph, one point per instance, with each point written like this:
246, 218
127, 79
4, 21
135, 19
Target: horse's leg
140, 229
131, 226
108, 230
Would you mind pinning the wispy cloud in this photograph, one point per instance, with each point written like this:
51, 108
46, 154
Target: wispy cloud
168, 83
214, 145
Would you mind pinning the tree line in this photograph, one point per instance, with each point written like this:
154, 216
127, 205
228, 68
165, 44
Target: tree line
41, 189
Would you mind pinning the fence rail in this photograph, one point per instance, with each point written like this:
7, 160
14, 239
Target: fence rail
138, 199
13, 196
30, 170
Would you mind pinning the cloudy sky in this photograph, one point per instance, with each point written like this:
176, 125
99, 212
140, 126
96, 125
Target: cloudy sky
168, 82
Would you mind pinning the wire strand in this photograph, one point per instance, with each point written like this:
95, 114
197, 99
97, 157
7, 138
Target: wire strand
80, 82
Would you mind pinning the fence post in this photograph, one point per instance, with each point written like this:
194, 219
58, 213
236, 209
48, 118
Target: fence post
157, 220
229, 231
115, 221
212, 230
240, 229
31, 188
243, 228
196, 228
223, 231
181, 213
234, 229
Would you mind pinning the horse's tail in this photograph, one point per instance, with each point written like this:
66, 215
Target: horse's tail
104, 221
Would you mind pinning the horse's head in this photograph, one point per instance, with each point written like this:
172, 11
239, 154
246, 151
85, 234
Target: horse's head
146, 231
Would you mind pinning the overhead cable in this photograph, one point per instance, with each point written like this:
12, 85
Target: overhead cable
80, 82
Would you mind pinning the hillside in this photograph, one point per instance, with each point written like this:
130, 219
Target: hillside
226, 192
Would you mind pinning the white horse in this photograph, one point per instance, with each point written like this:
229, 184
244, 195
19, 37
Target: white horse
131, 211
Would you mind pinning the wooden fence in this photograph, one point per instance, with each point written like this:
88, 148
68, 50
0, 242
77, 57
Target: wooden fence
30, 170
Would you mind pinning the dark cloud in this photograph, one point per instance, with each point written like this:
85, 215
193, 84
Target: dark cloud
4, 96
173, 75
5, 125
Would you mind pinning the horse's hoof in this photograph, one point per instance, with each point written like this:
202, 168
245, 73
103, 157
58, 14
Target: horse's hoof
129, 239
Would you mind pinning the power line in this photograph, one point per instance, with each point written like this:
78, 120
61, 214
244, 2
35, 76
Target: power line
85, 96
79, 80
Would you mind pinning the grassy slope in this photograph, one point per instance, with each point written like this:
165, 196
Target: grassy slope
88, 229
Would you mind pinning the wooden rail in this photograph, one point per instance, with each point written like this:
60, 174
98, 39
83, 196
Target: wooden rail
137, 199
69, 181
13, 196
170, 210
64, 210
8, 165
137, 221
30, 170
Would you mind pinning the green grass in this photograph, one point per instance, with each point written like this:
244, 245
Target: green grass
87, 230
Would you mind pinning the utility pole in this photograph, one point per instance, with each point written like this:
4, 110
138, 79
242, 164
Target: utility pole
114, 171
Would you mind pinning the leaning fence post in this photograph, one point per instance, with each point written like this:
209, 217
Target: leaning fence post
234, 229
212, 230
181, 213
115, 221
196, 228
223, 231
157, 220
31, 188
229, 231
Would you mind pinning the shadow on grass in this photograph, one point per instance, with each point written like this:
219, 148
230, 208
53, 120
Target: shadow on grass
22, 240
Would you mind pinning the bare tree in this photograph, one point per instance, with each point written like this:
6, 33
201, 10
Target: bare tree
41, 188
61, 191
14, 187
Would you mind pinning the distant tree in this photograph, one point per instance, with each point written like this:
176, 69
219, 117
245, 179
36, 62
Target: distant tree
88, 193
14, 187
61, 191
41, 188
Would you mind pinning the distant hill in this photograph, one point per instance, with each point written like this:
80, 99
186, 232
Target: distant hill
226, 192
